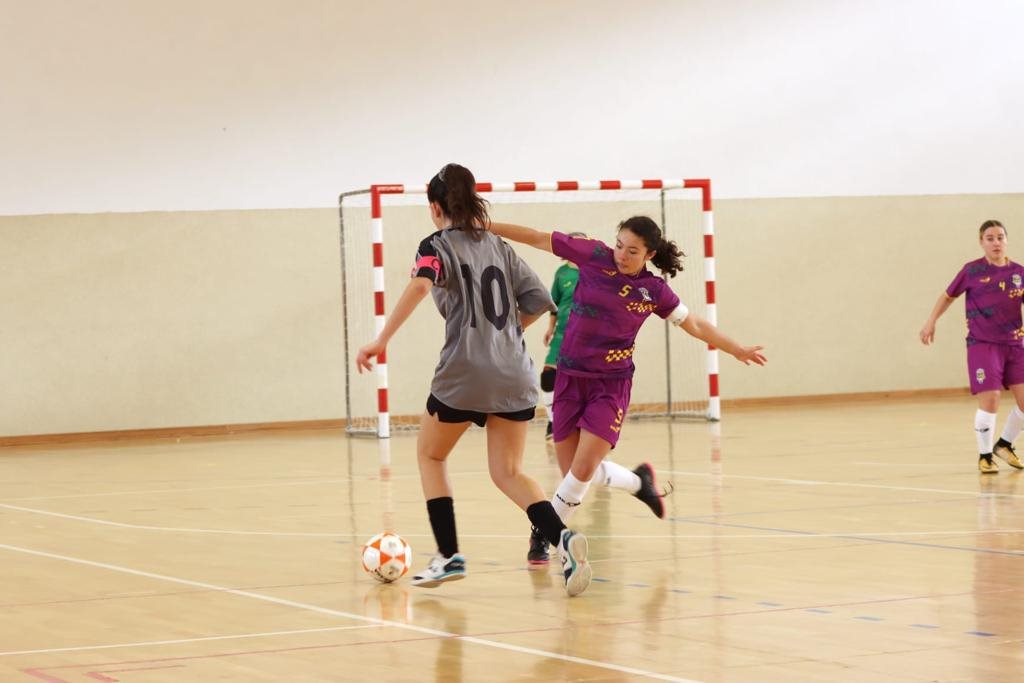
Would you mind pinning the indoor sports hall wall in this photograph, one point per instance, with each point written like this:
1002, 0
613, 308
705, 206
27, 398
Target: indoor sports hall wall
168, 176
162, 320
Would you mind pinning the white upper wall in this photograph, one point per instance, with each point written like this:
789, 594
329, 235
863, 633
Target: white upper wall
131, 105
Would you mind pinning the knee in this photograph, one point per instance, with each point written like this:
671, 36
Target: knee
547, 379
583, 470
432, 456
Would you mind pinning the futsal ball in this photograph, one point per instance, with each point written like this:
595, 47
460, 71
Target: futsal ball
387, 557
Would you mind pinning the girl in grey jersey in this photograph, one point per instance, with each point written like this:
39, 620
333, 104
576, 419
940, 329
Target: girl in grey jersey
487, 295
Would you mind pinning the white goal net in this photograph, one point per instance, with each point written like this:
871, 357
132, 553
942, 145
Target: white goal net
676, 375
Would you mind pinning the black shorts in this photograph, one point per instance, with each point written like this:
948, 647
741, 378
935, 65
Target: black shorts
447, 414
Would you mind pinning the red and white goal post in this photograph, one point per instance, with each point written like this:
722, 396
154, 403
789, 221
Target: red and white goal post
674, 382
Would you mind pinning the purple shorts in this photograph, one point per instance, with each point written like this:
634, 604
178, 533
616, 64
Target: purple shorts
991, 367
596, 404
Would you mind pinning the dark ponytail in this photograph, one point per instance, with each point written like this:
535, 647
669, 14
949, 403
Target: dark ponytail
668, 258
454, 190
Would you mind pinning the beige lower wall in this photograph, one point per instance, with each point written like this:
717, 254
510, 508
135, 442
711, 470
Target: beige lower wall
152, 320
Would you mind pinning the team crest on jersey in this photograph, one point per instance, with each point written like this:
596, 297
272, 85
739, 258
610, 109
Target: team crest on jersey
644, 293
979, 374
1016, 279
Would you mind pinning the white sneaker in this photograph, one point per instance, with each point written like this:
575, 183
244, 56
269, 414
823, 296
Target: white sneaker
572, 549
441, 569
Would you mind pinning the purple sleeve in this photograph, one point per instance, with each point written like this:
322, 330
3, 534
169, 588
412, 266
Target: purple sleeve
959, 284
668, 301
579, 250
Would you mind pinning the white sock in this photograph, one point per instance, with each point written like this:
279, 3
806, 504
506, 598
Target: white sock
548, 398
616, 476
984, 428
569, 495
1014, 425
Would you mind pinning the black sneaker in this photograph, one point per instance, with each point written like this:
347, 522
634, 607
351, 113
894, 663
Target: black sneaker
538, 553
648, 492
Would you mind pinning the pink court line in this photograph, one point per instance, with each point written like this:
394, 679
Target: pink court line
182, 641
101, 676
355, 617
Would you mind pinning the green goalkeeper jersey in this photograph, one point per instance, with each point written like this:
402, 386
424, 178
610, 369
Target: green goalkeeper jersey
562, 290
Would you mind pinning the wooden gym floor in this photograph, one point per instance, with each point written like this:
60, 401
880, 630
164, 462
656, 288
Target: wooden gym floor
833, 542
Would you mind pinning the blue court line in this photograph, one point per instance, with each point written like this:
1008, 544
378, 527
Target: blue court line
872, 539
813, 610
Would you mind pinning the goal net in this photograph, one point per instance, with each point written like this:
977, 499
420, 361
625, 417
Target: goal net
381, 227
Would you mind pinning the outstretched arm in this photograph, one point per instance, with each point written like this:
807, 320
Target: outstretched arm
414, 292
928, 331
520, 233
698, 327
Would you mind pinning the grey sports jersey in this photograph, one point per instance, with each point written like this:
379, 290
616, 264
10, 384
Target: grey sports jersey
479, 287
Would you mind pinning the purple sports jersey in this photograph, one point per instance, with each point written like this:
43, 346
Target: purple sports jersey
608, 309
993, 301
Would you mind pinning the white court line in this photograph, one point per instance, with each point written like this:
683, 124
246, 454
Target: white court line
931, 466
144, 527
356, 617
148, 643
517, 537
183, 490
813, 482
271, 484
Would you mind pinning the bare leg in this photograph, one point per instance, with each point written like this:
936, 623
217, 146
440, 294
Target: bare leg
435, 442
506, 441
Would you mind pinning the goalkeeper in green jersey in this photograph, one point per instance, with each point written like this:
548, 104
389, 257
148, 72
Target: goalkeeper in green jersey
562, 290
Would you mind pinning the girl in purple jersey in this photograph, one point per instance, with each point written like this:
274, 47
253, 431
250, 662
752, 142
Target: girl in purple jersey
995, 356
492, 383
615, 294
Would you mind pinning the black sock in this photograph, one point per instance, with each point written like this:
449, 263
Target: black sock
545, 518
1002, 442
442, 521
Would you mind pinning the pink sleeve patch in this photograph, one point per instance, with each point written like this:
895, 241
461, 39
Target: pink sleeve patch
431, 262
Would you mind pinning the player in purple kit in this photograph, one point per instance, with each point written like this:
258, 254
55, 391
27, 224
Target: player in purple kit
615, 294
995, 356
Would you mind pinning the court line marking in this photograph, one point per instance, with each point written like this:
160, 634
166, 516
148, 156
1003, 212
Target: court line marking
85, 648
773, 533
372, 477
814, 482
355, 617
932, 466
872, 538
